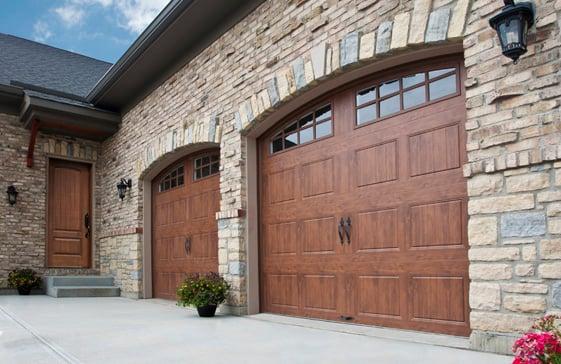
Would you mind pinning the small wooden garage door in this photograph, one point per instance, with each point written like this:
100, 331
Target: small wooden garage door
363, 204
185, 199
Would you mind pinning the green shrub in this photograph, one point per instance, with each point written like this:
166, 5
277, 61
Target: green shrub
24, 278
202, 289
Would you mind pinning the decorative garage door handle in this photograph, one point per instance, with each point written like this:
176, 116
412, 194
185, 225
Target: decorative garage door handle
340, 230
87, 224
348, 230
187, 245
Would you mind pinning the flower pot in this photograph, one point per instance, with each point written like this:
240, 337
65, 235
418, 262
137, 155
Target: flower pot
24, 291
206, 311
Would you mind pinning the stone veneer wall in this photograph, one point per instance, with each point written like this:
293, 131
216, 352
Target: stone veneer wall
285, 48
23, 226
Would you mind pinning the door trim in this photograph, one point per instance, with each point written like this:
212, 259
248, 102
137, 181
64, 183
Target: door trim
92, 193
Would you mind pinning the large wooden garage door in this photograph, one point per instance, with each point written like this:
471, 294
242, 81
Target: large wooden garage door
363, 205
185, 199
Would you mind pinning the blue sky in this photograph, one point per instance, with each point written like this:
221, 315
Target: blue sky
102, 29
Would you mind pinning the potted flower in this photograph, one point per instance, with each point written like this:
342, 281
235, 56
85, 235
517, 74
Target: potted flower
203, 291
24, 280
541, 345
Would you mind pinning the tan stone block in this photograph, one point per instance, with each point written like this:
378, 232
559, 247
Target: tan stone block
400, 31
309, 72
529, 253
550, 270
419, 19
482, 231
554, 225
486, 254
490, 205
524, 270
459, 18
554, 209
527, 182
485, 184
485, 296
524, 303
536, 288
558, 177
549, 196
490, 272
367, 45
500, 322
550, 249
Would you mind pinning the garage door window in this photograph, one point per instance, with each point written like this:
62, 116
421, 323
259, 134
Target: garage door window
312, 126
391, 97
206, 166
173, 179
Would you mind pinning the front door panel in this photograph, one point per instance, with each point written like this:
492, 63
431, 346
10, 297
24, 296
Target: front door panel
69, 215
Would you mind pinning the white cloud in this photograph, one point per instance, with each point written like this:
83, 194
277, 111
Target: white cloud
104, 3
137, 14
70, 14
41, 31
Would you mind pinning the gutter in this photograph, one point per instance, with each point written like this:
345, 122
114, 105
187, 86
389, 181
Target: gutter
170, 13
11, 98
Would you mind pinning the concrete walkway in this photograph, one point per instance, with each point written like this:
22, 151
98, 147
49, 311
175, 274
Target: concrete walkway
41, 329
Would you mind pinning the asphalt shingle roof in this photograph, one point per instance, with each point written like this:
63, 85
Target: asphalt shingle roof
51, 68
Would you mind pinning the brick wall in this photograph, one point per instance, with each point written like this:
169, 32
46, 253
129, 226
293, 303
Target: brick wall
514, 187
23, 226
286, 48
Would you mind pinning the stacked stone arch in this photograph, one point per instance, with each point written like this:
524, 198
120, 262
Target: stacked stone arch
422, 26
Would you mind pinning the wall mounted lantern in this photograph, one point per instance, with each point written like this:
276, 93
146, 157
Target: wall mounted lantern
512, 25
12, 195
122, 187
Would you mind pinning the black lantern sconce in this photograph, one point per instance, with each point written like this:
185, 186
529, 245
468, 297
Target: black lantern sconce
12, 195
122, 187
512, 25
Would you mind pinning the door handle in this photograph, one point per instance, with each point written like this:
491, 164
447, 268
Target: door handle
340, 229
348, 230
87, 224
187, 245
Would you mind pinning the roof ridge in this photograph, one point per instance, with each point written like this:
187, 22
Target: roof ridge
56, 48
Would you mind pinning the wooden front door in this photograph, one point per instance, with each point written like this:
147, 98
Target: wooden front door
185, 200
363, 204
69, 215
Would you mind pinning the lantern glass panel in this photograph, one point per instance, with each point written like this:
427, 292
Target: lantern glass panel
510, 33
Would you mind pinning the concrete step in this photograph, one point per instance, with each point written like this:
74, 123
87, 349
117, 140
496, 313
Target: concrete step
84, 291
62, 281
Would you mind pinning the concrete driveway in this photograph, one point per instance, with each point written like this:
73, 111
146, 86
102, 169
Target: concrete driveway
41, 329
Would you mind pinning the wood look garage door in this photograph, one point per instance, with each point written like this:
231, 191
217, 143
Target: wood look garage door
185, 199
363, 204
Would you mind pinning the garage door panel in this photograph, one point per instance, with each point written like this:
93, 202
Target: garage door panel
434, 151
437, 224
281, 186
377, 164
318, 178
177, 246
283, 291
438, 298
199, 205
319, 236
280, 239
377, 230
320, 292
378, 295
204, 245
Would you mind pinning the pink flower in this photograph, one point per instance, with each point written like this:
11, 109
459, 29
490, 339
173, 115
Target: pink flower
536, 348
